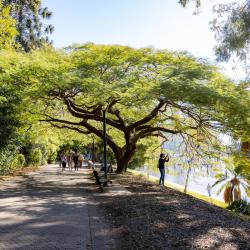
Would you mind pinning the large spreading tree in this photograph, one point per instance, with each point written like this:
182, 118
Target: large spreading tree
145, 93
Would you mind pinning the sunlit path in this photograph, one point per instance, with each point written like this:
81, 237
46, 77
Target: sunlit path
48, 209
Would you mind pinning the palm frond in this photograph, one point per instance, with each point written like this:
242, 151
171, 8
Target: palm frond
220, 180
222, 187
246, 188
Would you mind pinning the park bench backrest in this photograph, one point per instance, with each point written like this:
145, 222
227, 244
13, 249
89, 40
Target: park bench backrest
96, 177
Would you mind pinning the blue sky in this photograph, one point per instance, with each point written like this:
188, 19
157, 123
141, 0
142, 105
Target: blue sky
138, 23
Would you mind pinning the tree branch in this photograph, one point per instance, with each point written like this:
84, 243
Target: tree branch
80, 113
90, 129
151, 131
149, 117
71, 128
115, 112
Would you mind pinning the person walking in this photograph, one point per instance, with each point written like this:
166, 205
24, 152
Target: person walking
75, 159
70, 161
60, 156
161, 166
81, 159
64, 162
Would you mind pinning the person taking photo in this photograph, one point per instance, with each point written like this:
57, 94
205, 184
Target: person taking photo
161, 165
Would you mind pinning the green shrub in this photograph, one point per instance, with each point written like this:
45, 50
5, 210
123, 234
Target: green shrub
52, 157
7, 155
36, 157
18, 161
44, 151
21, 160
240, 206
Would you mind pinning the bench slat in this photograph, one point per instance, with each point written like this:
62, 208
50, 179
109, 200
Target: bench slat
100, 180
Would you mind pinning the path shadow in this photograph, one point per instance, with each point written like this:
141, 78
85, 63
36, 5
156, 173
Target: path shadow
46, 210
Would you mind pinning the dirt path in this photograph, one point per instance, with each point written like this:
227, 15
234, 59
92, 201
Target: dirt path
156, 217
50, 210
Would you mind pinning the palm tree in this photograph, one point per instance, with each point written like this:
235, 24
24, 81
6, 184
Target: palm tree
231, 182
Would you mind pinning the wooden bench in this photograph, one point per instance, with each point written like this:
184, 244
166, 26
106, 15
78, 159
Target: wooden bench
101, 181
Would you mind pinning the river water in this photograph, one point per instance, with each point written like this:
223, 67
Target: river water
199, 179
201, 176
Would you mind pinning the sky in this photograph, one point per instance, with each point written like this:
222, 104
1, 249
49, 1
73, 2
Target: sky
162, 24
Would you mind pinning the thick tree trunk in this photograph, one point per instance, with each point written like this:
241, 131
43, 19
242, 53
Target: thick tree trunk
124, 158
122, 165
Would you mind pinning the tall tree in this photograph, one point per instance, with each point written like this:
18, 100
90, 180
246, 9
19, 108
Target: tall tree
11, 95
8, 31
145, 93
231, 27
32, 32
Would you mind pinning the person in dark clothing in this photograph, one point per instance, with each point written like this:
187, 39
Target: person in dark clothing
75, 159
161, 166
64, 160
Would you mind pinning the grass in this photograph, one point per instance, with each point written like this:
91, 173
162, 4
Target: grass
239, 215
180, 188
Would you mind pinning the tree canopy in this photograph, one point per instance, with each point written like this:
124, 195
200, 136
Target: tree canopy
8, 31
232, 30
145, 92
